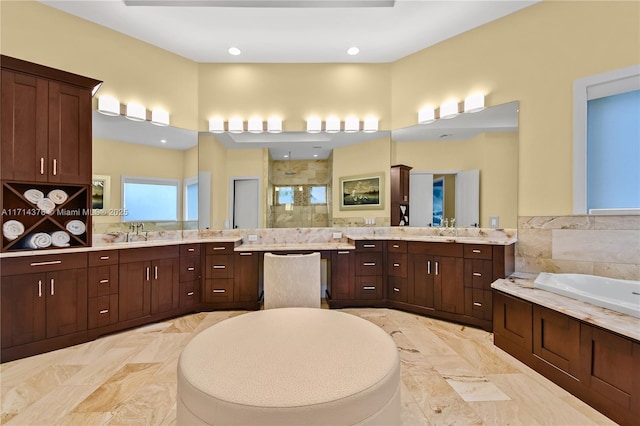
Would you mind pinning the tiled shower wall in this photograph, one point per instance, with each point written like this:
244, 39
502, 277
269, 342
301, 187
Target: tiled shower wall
606, 246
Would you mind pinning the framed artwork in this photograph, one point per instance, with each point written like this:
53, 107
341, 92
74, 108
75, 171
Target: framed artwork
362, 192
100, 194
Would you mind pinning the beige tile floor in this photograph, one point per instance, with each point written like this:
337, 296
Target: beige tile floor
451, 374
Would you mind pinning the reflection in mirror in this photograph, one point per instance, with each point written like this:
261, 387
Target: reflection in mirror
480, 150
152, 172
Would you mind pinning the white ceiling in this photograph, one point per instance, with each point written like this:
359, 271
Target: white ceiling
203, 30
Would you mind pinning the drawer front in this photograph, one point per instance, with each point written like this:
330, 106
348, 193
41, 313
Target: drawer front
189, 268
397, 247
369, 263
219, 266
148, 254
103, 280
190, 250
103, 311
42, 263
369, 245
397, 289
478, 251
435, 249
478, 303
220, 290
188, 293
397, 266
478, 273
219, 248
368, 288
100, 258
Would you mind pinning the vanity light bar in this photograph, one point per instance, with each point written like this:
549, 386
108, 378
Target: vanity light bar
351, 124
108, 105
451, 108
254, 125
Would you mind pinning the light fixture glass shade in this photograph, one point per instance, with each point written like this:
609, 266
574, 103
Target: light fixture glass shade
449, 109
314, 125
426, 115
474, 103
274, 125
332, 125
216, 125
370, 125
351, 124
108, 105
255, 125
136, 112
236, 125
159, 117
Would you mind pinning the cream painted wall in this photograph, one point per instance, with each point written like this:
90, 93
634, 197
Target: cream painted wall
212, 156
132, 71
117, 159
532, 56
366, 157
190, 162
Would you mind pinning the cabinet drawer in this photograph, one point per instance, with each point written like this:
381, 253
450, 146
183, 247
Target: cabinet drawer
369, 245
478, 273
102, 310
219, 290
397, 247
148, 254
189, 268
103, 280
219, 248
106, 257
44, 263
219, 266
397, 266
478, 251
190, 250
369, 263
478, 303
435, 249
368, 288
189, 293
398, 289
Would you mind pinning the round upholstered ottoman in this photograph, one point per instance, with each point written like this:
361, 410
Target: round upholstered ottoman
290, 366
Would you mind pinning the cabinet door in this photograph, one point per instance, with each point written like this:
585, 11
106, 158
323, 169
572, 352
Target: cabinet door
165, 285
69, 134
449, 284
23, 309
66, 302
342, 275
247, 277
512, 323
24, 127
421, 280
134, 294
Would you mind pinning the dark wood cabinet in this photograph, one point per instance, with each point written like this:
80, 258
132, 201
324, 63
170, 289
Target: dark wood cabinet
421, 280
246, 277
400, 195
369, 272
448, 285
190, 275
340, 285
232, 279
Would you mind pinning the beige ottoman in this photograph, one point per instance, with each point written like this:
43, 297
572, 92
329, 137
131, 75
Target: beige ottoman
290, 366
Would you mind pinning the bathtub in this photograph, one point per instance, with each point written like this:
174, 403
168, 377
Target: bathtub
619, 295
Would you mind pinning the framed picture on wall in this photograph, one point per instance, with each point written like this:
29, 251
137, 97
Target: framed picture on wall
100, 194
362, 192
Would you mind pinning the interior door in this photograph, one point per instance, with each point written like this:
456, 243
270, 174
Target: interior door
246, 203
468, 198
421, 196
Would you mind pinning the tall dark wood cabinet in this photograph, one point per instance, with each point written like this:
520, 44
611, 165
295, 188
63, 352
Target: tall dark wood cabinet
400, 195
45, 146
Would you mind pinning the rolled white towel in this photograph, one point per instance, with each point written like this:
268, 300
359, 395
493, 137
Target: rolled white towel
76, 227
12, 229
58, 196
33, 195
60, 239
46, 205
39, 240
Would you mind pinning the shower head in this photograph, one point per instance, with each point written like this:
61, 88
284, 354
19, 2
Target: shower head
289, 172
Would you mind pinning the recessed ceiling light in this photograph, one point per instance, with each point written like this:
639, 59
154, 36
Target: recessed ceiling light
315, 155
163, 140
353, 51
234, 51
286, 156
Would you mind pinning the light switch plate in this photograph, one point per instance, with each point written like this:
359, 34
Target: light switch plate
337, 235
494, 221
252, 237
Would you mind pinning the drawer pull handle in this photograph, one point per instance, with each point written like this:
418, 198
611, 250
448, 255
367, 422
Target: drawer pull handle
190, 293
343, 252
55, 167
428, 267
51, 262
396, 265
41, 165
39, 288
396, 246
369, 287
191, 268
155, 272
104, 281
53, 287
396, 289
215, 290
437, 272
369, 246
476, 251
219, 248
246, 254
147, 273
477, 274
191, 249
104, 257
104, 311
369, 263
219, 266
477, 304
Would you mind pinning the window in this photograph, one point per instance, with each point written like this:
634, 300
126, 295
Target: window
284, 195
318, 195
191, 198
149, 199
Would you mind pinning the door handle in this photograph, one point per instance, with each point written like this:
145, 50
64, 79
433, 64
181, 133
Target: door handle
53, 287
147, 273
41, 165
39, 288
55, 167
437, 268
428, 267
155, 272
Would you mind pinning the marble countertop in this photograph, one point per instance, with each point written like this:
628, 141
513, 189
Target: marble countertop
295, 247
521, 285
438, 239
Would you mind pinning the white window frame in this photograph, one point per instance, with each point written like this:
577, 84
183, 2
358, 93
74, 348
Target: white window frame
150, 181
185, 202
585, 89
